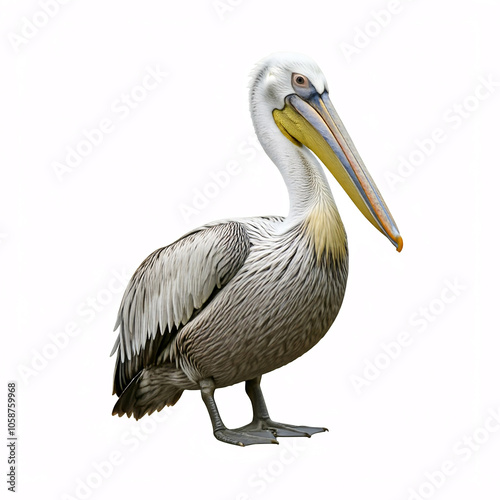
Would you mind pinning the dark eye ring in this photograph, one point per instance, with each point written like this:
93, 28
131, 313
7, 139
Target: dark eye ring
300, 80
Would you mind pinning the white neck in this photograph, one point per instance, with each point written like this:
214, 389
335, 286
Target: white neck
311, 201
303, 175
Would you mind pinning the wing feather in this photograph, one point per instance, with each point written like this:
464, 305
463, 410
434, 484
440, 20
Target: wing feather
169, 287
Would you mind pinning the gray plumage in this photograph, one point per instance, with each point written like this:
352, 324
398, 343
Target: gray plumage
231, 301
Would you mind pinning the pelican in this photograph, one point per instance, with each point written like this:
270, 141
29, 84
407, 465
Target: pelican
238, 298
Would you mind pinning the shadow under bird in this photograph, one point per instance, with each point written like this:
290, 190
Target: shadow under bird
238, 298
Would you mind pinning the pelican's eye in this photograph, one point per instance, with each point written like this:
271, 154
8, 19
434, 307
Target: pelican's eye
300, 80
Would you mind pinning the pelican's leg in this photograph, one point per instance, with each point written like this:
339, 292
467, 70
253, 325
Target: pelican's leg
221, 432
261, 419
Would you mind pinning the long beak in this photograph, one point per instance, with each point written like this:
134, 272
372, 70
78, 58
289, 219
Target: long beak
315, 124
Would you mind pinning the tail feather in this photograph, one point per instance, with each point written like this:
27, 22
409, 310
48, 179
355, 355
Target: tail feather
150, 390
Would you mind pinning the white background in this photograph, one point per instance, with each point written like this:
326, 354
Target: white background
65, 239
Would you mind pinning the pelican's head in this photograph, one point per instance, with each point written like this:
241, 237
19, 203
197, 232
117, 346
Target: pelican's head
292, 90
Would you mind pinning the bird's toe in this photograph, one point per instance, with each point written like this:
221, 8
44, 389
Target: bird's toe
287, 430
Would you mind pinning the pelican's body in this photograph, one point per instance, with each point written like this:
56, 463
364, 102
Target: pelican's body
235, 299
257, 325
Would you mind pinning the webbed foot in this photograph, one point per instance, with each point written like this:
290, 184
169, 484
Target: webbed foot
288, 430
262, 427
240, 438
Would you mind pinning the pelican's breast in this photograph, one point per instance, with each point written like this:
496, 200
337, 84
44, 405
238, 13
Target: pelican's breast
325, 231
279, 305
